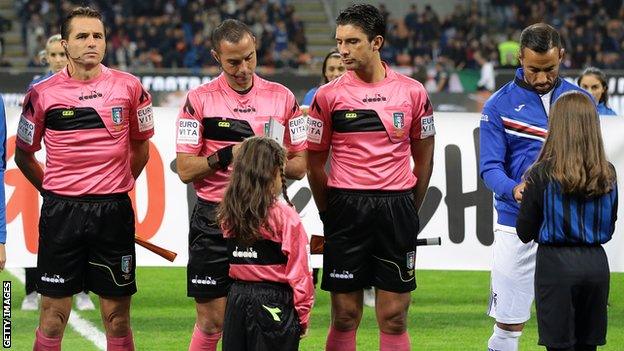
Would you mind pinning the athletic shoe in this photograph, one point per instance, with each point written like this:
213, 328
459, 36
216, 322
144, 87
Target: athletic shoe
31, 302
83, 302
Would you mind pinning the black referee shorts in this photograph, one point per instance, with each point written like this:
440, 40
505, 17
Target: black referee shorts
260, 317
370, 239
571, 293
86, 242
207, 271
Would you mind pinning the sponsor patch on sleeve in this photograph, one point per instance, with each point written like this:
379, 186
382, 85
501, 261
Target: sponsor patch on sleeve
298, 129
26, 130
145, 117
427, 127
315, 130
188, 131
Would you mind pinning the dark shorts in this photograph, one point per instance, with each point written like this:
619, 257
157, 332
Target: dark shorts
370, 239
260, 317
86, 242
207, 272
571, 293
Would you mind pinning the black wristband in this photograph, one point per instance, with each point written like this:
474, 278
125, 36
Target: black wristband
221, 159
225, 156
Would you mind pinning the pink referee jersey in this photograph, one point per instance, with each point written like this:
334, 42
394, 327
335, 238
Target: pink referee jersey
254, 264
369, 128
215, 116
86, 127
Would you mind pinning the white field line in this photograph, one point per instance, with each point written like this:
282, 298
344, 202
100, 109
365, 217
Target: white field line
80, 325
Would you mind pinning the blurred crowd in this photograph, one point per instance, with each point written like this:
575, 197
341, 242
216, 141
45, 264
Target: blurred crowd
173, 33
176, 33
488, 32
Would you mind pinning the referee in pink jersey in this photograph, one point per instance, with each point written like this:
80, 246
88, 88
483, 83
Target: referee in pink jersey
95, 123
375, 121
216, 117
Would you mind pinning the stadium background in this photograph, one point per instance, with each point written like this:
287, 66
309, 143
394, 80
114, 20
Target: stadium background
166, 43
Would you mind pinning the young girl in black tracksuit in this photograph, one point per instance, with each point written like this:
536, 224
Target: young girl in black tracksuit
569, 208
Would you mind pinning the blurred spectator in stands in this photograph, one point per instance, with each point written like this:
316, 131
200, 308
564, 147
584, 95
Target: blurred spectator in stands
442, 76
508, 51
411, 19
419, 71
595, 82
486, 78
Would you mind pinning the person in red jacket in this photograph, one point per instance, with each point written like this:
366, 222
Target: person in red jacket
268, 306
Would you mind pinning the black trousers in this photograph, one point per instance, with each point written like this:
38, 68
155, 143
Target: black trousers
260, 317
571, 293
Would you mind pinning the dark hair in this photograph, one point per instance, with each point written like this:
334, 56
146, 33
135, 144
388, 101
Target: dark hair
332, 53
245, 206
596, 72
573, 152
78, 12
540, 37
230, 30
365, 16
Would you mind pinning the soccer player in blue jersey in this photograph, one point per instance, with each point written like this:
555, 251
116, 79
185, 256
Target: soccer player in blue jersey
514, 124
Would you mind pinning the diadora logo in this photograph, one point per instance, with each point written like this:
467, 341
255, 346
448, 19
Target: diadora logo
94, 94
245, 109
376, 98
204, 281
343, 275
520, 107
351, 115
224, 124
249, 253
56, 279
67, 113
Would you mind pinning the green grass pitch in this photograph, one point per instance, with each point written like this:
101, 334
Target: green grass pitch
447, 313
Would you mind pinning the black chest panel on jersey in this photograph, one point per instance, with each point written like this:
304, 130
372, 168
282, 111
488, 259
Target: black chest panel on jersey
262, 252
226, 129
73, 119
349, 121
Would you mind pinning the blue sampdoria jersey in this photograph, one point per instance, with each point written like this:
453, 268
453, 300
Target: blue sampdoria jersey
513, 128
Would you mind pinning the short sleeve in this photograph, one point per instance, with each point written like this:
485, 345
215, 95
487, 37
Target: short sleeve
295, 138
422, 119
319, 122
189, 126
141, 115
31, 124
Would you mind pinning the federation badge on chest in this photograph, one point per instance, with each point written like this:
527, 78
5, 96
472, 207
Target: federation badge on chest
398, 119
116, 115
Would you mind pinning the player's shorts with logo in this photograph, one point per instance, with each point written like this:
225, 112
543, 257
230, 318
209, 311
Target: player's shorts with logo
513, 271
207, 272
86, 242
260, 316
370, 239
